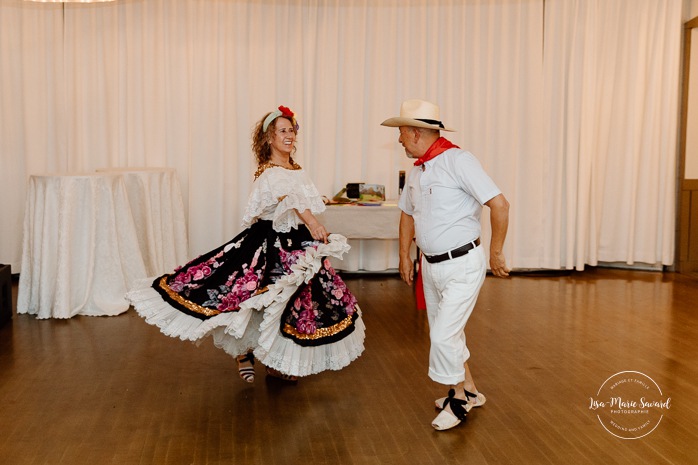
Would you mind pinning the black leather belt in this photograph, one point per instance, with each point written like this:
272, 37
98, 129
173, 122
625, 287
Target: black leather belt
459, 252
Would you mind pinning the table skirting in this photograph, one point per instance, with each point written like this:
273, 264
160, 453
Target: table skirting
88, 237
372, 233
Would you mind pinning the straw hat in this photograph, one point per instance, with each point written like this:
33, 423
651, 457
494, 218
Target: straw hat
418, 113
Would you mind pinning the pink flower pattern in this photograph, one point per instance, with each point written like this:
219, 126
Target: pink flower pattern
306, 311
306, 314
322, 302
288, 259
337, 288
237, 290
187, 279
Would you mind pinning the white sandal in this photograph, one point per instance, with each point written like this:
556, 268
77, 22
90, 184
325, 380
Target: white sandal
447, 420
479, 401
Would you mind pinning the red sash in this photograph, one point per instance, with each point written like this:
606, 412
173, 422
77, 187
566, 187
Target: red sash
437, 148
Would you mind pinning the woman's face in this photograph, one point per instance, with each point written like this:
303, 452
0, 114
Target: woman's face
283, 137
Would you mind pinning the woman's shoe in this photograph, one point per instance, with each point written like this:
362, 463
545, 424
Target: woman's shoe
247, 371
478, 400
277, 374
447, 420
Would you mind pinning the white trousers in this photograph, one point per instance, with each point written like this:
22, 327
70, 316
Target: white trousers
451, 288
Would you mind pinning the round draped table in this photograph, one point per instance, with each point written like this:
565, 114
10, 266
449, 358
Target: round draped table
88, 237
158, 213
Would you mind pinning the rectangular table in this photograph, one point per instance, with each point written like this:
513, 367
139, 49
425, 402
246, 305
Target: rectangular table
363, 222
372, 232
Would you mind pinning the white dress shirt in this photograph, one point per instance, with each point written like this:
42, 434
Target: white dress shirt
445, 197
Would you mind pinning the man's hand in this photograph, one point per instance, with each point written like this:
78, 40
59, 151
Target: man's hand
405, 242
498, 265
407, 271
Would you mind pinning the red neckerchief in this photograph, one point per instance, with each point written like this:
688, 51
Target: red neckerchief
437, 148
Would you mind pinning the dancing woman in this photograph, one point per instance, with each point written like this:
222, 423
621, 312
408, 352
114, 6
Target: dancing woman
269, 294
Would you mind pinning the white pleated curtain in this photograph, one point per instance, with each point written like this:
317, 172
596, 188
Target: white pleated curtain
612, 79
571, 105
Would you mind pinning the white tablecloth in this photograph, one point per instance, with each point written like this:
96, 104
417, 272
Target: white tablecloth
88, 237
372, 232
158, 211
363, 222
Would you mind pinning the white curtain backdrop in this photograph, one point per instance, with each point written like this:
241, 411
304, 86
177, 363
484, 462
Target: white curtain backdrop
571, 105
611, 161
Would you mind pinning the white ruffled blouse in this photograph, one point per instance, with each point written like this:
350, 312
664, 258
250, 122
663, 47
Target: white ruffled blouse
277, 193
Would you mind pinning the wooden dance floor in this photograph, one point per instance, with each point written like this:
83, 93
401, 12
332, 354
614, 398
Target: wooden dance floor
113, 390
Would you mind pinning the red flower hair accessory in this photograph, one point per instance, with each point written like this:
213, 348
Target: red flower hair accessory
286, 111
282, 111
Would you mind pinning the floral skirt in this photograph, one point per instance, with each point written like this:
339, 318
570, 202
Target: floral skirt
270, 292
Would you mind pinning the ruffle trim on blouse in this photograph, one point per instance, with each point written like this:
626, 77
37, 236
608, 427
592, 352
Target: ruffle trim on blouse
236, 332
286, 218
296, 192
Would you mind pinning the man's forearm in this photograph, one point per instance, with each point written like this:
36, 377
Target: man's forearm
406, 235
499, 221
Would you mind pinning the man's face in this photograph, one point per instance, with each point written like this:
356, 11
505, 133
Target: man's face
408, 139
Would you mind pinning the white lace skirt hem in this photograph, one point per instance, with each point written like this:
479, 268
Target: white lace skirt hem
256, 326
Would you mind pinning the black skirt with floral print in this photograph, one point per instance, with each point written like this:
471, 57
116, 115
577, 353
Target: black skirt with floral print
321, 311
